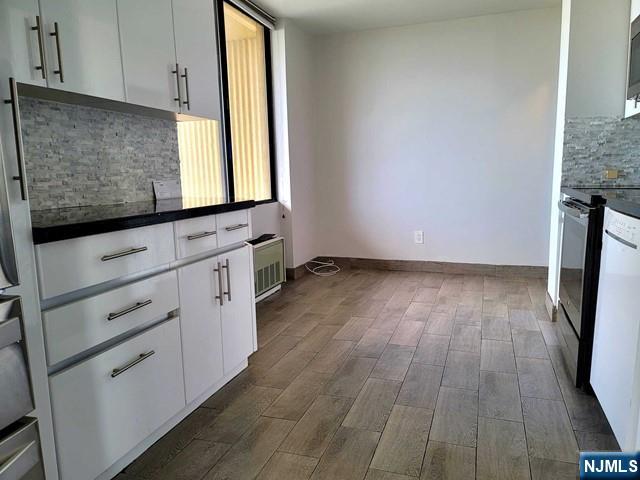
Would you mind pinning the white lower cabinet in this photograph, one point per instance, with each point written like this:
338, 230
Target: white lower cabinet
111, 403
105, 406
236, 311
70, 265
79, 326
200, 326
216, 315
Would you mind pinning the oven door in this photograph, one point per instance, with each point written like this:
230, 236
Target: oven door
572, 264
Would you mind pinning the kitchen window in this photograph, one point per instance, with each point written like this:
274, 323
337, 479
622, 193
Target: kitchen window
247, 101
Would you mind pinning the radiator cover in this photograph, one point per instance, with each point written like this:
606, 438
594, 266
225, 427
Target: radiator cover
268, 262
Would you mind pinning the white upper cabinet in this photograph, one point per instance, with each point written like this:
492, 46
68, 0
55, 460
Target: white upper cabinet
237, 307
148, 53
83, 47
21, 53
197, 52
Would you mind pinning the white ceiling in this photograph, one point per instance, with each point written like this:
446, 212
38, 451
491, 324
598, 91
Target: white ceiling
332, 16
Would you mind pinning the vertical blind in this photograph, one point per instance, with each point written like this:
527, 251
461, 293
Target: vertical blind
200, 160
248, 105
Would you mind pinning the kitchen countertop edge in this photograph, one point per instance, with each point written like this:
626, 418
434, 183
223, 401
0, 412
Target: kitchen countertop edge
55, 233
628, 208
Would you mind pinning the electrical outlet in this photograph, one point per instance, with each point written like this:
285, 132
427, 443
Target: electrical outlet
418, 236
611, 174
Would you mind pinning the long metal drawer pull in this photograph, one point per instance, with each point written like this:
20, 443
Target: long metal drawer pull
196, 236
228, 292
17, 131
231, 228
621, 240
41, 67
221, 294
187, 102
56, 33
141, 358
125, 311
177, 74
124, 253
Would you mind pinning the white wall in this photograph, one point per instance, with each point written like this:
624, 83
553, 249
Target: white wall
445, 127
265, 218
299, 65
598, 46
293, 215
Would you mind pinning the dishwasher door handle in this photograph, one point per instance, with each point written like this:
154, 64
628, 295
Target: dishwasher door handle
621, 240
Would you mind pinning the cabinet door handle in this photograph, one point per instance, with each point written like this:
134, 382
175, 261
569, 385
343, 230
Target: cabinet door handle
38, 28
231, 228
56, 34
187, 102
177, 74
125, 311
228, 269
17, 131
196, 236
221, 294
141, 358
124, 253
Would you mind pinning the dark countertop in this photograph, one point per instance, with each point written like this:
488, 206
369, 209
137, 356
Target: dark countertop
623, 200
72, 222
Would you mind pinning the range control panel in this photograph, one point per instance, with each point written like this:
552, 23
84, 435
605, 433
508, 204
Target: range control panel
622, 227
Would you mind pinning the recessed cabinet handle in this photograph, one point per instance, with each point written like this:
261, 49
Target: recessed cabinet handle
38, 28
17, 131
221, 294
196, 236
56, 34
187, 102
231, 228
228, 292
125, 311
177, 74
141, 358
124, 253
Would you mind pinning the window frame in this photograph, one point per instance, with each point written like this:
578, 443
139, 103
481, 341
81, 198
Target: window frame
226, 109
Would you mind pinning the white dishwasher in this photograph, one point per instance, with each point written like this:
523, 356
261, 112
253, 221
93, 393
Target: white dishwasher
615, 368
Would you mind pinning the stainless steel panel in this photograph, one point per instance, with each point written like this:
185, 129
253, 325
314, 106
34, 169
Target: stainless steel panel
572, 267
569, 343
20, 455
16, 399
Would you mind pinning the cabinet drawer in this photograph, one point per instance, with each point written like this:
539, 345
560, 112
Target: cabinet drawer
73, 264
105, 406
196, 235
233, 227
79, 326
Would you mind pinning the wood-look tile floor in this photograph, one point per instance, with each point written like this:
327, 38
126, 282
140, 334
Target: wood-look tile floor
387, 376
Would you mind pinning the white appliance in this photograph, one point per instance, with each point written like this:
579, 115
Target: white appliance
615, 368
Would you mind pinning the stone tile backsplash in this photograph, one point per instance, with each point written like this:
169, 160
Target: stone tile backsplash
594, 144
78, 155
